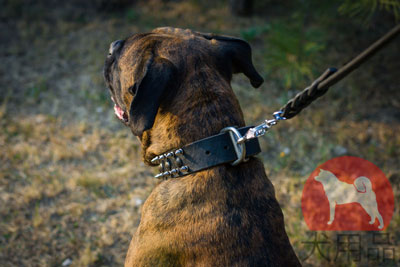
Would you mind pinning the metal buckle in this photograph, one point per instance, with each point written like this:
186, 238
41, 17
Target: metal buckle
240, 149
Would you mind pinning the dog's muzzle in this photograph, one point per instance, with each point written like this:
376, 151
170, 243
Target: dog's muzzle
120, 113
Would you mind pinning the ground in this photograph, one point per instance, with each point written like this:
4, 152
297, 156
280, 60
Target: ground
71, 179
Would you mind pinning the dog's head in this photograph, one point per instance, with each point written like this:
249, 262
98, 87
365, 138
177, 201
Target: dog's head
324, 176
147, 71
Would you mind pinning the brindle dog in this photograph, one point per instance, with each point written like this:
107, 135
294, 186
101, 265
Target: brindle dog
172, 87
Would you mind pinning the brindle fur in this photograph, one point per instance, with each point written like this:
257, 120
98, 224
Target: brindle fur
223, 216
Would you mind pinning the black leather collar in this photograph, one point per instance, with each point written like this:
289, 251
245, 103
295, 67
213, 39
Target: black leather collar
203, 154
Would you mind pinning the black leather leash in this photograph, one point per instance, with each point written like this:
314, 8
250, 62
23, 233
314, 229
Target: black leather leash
236, 145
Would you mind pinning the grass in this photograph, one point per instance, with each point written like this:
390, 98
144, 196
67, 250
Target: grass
71, 179
58, 181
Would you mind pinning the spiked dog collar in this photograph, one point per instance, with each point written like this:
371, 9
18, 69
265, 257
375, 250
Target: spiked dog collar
206, 153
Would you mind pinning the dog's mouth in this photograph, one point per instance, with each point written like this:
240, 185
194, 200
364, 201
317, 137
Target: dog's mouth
120, 113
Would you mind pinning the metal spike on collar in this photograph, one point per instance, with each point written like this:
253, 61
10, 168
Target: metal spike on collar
155, 160
158, 175
184, 169
179, 152
173, 171
166, 162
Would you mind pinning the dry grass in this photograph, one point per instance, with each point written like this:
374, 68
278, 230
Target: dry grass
68, 191
71, 180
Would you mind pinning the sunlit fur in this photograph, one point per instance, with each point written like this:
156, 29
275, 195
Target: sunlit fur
223, 216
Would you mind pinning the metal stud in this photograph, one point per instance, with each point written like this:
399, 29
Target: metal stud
161, 157
161, 167
184, 169
178, 162
168, 164
179, 152
165, 174
169, 155
158, 175
155, 160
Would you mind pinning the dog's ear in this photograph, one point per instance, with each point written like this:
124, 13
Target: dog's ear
156, 76
238, 53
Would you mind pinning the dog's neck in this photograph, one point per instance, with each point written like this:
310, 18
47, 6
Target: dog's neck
208, 107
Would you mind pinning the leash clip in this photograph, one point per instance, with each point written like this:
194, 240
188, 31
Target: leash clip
261, 129
240, 148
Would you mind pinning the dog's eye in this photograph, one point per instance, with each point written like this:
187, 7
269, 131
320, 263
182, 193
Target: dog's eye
132, 90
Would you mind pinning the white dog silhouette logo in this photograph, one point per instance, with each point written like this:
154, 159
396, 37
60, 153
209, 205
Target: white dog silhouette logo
347, 194
340, 193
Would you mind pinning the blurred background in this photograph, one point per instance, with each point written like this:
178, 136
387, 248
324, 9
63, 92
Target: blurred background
71, 179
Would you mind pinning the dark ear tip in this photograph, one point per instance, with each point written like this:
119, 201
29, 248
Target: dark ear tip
257, 83
255, 79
